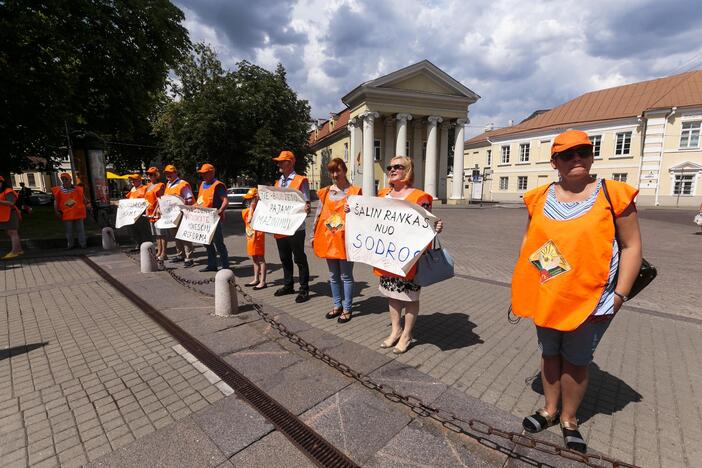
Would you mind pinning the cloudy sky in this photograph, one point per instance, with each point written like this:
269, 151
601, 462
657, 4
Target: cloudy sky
518, 55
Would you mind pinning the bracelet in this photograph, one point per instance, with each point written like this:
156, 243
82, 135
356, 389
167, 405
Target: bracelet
623, 297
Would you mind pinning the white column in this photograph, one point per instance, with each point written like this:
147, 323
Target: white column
353, 148
389, 142
368, 126
401, 143
443, 160
430, 166
458, 161
417, 154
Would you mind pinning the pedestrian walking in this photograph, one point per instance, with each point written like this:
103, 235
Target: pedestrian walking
575, 269
328, 238
10, 218
154, 191
401, 292
293, 247
255, 242
70, 205
213, 194
180, 188
140, 230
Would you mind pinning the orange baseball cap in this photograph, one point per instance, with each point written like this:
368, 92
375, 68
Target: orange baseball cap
206, 168
569, 139
170, 168
252, 193
134, 177
152, 170
285, 156
64, 175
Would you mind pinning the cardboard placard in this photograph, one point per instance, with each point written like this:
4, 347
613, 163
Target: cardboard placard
197, 224
169, 207
279, 210
129, 210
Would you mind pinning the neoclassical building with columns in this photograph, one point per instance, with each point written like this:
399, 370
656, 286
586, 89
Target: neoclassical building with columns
418, 111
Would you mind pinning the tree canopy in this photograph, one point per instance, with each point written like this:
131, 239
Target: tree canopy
237, 120
92, 65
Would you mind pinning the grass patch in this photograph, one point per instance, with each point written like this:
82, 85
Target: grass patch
43, 224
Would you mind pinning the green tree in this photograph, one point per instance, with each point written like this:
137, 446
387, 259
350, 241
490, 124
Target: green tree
94, 65
235, 120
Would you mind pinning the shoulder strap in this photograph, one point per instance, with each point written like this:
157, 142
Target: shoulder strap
605, 192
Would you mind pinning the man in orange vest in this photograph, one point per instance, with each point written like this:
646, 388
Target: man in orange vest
213, 194
140, 230
180, 188
290, 247
70, 206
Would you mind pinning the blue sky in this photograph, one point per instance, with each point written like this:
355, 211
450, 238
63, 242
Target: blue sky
518, 55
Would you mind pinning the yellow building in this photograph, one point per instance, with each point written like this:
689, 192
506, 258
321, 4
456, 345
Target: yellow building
418, 111
646, 134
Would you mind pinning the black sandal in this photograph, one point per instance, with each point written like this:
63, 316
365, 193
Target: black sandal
572, 438
333, 314
539, 421
345, 317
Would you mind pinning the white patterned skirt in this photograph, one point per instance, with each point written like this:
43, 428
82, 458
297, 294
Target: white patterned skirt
399, 288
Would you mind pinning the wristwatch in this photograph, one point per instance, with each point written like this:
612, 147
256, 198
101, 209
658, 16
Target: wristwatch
621, 296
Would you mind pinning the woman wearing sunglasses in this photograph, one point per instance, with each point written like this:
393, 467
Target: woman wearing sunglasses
401, 291
573, 274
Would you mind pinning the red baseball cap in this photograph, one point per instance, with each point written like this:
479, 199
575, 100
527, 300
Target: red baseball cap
569, 139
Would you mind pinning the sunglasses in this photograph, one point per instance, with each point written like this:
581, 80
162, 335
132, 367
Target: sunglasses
570, 154
397, 167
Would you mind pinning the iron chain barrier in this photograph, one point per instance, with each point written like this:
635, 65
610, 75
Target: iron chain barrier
446, 418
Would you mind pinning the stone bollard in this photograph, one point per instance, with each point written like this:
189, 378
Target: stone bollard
226, 302
108, 239
146, 259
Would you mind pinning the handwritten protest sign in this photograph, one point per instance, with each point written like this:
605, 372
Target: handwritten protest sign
197, 224
169, 206
386, 233
129, 210
279, 210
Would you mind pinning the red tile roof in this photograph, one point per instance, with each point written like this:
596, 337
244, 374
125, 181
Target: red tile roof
340, 122
614, 103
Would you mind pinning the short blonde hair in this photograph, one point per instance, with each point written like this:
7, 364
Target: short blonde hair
409, 168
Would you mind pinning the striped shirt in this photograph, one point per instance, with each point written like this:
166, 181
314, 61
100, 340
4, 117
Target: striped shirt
564, 211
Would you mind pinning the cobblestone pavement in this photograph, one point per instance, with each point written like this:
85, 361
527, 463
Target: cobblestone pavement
82, 371
644, 403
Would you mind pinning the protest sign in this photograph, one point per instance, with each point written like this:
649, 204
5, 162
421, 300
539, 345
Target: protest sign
197, 224
387, 233
169, 206
279, 210
129, 210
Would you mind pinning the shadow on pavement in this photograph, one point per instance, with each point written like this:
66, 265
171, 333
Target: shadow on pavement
17, 350
446, 331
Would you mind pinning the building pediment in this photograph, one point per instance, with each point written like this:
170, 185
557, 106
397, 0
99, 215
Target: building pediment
687, 166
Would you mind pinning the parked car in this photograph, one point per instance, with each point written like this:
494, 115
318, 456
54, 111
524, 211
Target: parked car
40, 198
235, 195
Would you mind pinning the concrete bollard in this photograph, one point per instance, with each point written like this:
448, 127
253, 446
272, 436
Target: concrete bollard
146, 259
226, 302
108, 239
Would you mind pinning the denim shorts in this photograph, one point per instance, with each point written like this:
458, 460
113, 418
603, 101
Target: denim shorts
576, 346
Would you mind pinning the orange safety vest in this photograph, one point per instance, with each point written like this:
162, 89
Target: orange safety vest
416, 196
330, 230
563, 266
70, 204
205, 196
153, 192
255, 240
177, 189
5, 210
138, 192
296, 183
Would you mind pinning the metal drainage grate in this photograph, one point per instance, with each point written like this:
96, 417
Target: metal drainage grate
313, 445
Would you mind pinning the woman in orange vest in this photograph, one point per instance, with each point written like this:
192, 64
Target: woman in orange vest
574, 272
10, 218
255, 242
140, 230
328, 238
401, 291
70, 206
154, 191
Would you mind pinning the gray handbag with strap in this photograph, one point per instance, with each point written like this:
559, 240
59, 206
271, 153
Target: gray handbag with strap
435, 265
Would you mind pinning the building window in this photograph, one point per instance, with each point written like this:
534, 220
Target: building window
619, 176
505, 154
346, 152
524, 152
489, 157
690, 136
683, 184
623, 144
31, 180
522, 183
596, 142
377, 154
504, 183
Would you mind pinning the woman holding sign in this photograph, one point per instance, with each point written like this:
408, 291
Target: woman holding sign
328, 238
255, 242
401, 291
154, 191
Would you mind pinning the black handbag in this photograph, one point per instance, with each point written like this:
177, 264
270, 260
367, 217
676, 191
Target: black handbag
435, 265
647, 272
